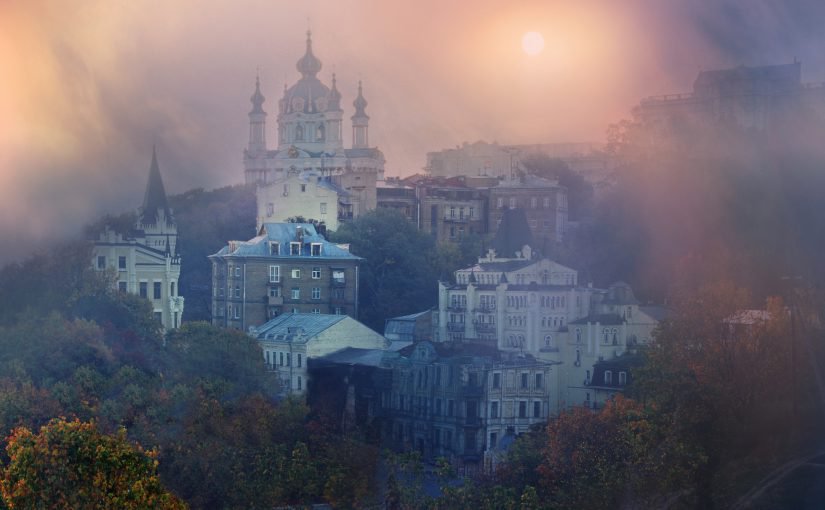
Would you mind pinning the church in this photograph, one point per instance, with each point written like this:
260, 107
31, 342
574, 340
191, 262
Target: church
310, 148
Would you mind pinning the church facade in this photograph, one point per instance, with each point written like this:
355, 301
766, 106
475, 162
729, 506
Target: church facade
310, 141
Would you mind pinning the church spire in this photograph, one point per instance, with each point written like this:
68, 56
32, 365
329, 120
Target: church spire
309, 65
360, 122
154, 200
257, 121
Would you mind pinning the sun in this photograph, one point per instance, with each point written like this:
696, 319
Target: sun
532, 43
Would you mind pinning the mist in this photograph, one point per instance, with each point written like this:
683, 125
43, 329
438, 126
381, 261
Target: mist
87, 89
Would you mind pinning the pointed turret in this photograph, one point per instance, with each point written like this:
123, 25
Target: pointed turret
360, 121
334, 98
154, 200
257, 121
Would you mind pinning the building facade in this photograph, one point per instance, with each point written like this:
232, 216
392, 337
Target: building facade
289, 341
146, 261
310, 138
307, 195
287, 268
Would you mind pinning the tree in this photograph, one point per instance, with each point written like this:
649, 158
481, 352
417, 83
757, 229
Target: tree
398, 271
579, 191
70, 464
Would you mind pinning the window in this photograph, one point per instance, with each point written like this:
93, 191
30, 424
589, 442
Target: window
156, 290
303, 188
299, 382
608, 377
524, 381
539, 380
172, 289
500, 203
274, 274
159, 316
493, 439
536, 409
316, 311
452, 212
622, 378
294, 248
472, 209
270, 209
512, 203
316, 273
299, 360
578, 335
237, 271
339, 310
533, 202
237, 291
548, 341
522, 409
296, 274
237, 312
274, 248
316, 249
316, 292
121, 262
121, 286
323, 207
496, 381
493, 409
281, 356
144, 289
296, 293
338, 276
288, 359
546, 202
101, 262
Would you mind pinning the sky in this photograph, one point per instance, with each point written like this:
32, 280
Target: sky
88, 87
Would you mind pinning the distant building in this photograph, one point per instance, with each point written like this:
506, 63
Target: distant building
146, 260
411, 328
310, 138
290, 340
287, 268
544, 202
759, 98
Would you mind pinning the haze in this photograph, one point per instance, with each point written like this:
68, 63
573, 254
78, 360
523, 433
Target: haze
87, 88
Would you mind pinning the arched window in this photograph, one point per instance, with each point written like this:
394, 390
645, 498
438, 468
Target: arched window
615, 336
299, 133
548, 341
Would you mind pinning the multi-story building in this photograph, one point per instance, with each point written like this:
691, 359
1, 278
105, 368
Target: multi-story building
307, 195
146, 261
288, 267
544, 203
449, 213
289, 341
310, 137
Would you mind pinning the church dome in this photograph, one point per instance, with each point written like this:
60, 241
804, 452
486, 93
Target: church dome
308, 95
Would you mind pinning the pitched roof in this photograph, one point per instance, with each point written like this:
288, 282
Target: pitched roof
296, 327
355, 356
512, 234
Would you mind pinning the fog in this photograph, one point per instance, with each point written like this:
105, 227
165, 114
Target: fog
87, 88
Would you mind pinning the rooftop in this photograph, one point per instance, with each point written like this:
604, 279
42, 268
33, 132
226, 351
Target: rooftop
284, 234
296, 327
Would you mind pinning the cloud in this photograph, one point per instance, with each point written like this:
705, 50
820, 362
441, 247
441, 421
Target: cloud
91, 86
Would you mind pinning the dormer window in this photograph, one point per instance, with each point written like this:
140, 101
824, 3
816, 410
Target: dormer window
274, 248
608, 377
316, 249
622, 378
294, 248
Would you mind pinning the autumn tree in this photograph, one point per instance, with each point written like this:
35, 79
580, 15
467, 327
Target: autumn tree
70, 464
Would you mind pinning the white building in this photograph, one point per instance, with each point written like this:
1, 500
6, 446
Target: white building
290, 339
146, 260
310, 137
306, 194
538, 307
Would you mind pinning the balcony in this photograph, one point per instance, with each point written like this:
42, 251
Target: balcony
455, 326
485, 309
457, 308
275, 300
485, 327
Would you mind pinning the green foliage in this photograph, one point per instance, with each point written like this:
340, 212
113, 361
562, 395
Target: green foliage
207, 220
70, 464
398, 268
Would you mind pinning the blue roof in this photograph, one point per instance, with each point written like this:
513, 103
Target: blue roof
285, 233
298, 327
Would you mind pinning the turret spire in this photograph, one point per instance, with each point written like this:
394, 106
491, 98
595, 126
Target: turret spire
257, 98
154, 199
